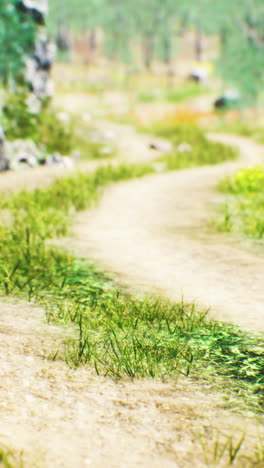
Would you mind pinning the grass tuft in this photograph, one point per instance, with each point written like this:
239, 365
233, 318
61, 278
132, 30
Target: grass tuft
118, 334
191, 148
243, 211
8, 458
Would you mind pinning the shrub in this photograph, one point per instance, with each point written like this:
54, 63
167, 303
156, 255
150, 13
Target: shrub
43, 127
243, 211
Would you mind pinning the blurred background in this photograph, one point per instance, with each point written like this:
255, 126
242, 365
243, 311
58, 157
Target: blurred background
197, 61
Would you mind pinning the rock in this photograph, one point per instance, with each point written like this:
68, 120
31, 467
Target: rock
3, 158
159, 166
21, 153
87, 118
163, 146
68, 162
64, 117
23, 160
230, 98
109, 135
33, 104
106, 151
183, 147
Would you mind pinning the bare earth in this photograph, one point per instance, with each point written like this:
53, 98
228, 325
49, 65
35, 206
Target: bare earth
151, 232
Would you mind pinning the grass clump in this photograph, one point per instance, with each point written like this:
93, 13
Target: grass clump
223, 449
191, 147
42, 126
184, 92
243, 211
243, 128
8, 459
168, 93
53, 132
118, 334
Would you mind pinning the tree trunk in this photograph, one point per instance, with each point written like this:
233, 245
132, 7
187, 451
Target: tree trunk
199, 45
148, 51
3, 160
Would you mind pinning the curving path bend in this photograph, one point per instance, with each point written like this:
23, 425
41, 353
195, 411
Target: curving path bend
153, 233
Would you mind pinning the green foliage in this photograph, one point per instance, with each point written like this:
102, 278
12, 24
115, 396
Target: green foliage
199, 150
116, 333
184, 92
171, 94
223, 448
243, 211
18, 121
8, 459
245, 181
154, 24
43, 127
17, 35
54, 135
241, 127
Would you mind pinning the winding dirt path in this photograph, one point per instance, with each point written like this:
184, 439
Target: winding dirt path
65, 418
152, 233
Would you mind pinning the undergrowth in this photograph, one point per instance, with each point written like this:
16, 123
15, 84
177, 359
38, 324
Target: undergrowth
116, 333
43, 127
191, 147
243, 211
51, 131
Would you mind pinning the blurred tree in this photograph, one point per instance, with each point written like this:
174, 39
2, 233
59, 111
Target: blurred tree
240, 27
17, 37
154, 23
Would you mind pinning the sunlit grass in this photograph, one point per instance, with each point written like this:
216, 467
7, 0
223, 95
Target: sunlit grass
9, 459
191, 148
243, 211
116, 333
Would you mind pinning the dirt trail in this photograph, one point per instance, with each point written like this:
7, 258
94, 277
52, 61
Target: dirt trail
66, 418
152, 232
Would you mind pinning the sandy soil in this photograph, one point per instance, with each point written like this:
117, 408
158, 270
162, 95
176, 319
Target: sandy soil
152, 233
66, 418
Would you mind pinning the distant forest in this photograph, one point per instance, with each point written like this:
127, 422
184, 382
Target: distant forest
156, 25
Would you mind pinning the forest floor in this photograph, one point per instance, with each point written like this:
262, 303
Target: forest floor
153, 234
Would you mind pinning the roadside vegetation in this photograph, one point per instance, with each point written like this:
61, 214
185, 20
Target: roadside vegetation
191, 148
243, 210
9, 459
21, 121
229, 450
50, 130
174, 93
241, 127
120, 335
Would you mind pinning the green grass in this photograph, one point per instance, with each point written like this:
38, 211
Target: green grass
201, 151
171, 93
222, 449
243, 211
184, 92
116, 333
243, 128
8, 459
